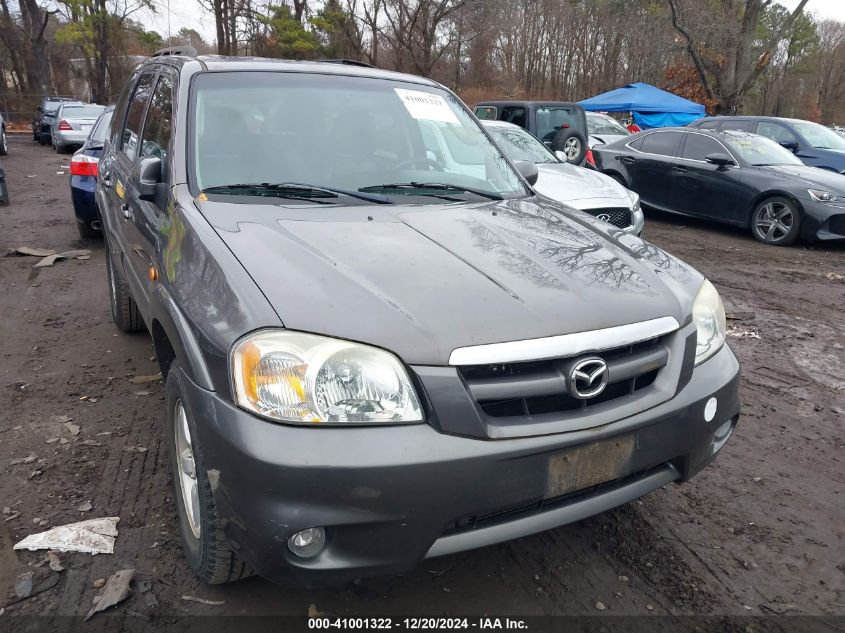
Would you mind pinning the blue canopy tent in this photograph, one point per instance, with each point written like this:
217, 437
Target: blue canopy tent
651, 106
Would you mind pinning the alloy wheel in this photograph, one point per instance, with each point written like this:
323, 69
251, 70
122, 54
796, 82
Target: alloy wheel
188, 484
774, 221
572, 148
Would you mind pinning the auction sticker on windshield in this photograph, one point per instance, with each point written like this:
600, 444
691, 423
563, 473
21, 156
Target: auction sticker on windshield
426, 106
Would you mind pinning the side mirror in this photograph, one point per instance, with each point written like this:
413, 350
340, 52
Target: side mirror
792, 146
528, 170
149, 177
561, 156
719, 159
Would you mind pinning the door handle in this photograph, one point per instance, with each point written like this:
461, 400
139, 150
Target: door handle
627, 160
126, 211
679, 170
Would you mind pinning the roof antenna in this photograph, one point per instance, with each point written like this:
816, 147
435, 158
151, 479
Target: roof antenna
169, 42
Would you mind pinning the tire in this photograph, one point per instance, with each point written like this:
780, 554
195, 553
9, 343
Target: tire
4, 143
203, 541
124, 310
572, 143
87, 232
776, 221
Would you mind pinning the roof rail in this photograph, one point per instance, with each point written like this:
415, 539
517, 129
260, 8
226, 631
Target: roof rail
176, 50
348, 62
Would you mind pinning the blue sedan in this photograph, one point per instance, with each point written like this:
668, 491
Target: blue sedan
83, 177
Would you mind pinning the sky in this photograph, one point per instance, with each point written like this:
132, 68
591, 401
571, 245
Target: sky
188, 13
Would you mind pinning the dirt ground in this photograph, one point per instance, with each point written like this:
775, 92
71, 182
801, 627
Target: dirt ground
759, 532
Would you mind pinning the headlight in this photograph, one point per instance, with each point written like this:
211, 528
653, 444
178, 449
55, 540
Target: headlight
822, 196
304, 378
708, 313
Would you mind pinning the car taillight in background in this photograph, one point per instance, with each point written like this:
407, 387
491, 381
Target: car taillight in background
64, 125
83, 165
590, 159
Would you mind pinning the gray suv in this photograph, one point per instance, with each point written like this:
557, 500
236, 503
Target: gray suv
372, 359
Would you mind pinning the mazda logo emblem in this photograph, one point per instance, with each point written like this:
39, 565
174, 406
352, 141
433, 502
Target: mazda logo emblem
604, 217
588, 378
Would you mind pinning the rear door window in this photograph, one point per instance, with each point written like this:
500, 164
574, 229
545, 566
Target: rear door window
662, 143
134, 116
515, 115
738, 124
698, 146
487, 113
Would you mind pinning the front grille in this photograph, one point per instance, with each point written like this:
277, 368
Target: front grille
534, 388
617, 216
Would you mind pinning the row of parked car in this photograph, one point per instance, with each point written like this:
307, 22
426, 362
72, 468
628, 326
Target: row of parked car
64, 122
784, 179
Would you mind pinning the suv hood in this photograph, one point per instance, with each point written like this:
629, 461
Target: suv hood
424, 280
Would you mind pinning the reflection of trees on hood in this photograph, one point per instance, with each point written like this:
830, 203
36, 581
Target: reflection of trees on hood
538, 246
664, 262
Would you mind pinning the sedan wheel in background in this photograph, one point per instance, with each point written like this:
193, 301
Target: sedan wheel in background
776, 221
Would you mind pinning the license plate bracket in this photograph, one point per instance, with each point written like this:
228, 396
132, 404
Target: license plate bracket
587, 466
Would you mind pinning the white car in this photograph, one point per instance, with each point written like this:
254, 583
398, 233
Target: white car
585, 189
604, 129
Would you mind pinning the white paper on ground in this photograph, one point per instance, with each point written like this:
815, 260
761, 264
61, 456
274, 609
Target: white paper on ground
94, 536
426, 106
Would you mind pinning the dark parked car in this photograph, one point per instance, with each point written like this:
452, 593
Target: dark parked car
816, 145
43, 122
561, 125
369, 359
84, 166
732, 177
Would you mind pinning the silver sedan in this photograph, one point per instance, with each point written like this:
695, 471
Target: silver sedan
72, 123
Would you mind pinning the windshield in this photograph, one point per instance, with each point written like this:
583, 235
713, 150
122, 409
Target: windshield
818, 135
51, 106
101, 129
759, 150
339, 133
520, 145
82, 112
598, 124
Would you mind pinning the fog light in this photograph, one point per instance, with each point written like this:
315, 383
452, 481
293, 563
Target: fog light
307, 543
722, 434
710, 409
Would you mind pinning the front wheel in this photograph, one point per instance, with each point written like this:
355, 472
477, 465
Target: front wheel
203, 542
776, 221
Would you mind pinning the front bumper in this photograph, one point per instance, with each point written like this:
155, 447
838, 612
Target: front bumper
823, 221
390, 497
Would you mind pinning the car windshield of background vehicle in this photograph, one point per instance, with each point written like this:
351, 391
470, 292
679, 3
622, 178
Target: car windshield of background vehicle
598, 124
51, 106
759, 150
101, 129
520, 145
340, 133
82, 112
819, 136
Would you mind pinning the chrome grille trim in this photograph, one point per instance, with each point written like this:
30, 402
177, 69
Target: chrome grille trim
563, 346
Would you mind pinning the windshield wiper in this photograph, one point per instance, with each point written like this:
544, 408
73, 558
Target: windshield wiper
432, 187
298, 191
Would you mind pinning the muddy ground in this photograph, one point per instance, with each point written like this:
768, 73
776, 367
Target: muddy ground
761, 531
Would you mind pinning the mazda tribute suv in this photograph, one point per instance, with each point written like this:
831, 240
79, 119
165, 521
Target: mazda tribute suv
372, 357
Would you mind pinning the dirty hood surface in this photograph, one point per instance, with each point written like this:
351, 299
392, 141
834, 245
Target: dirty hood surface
424, 280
